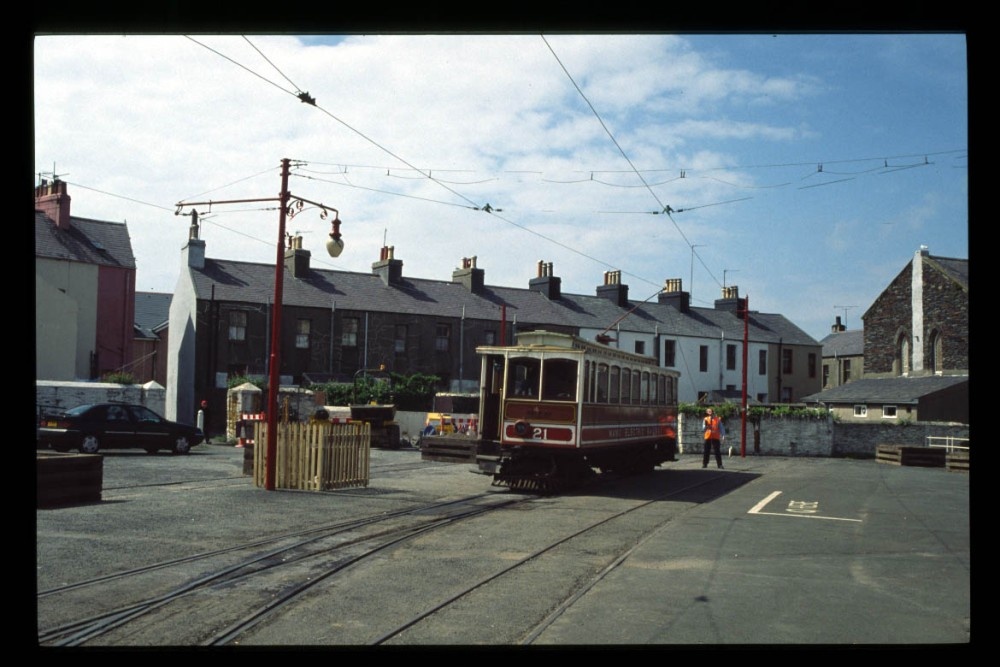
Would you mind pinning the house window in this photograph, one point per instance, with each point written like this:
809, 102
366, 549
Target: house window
238, 325
442, 337
640, 347
302, 328
490, 337
786, 362
349, 337
399, 344
860, 410
731, 357
812, 365
826, 375
762, 362
786, 394
703, 359
762, 398
846, 371
888, 412
669, 353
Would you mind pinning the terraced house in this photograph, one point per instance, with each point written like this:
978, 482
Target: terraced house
335, 323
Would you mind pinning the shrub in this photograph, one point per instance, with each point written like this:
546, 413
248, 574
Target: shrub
119, 377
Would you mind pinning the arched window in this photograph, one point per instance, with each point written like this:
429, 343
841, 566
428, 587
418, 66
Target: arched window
614, 385
901, 364
602, 383
934, 349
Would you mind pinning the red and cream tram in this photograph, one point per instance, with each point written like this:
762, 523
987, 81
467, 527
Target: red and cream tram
554, 406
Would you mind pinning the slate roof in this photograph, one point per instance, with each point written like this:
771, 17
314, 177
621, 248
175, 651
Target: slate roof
899, 390
956, 269
88, 241
152, 313
844, 344
253, 283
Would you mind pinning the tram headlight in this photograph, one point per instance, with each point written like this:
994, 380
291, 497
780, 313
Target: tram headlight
522, 429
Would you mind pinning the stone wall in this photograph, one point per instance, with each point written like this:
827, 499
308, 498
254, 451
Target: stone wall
56, 395
793, 436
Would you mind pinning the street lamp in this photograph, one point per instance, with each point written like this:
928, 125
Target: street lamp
334, 246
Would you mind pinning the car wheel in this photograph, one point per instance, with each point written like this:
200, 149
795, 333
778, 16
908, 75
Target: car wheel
182, 445
89, 445
152, 450
60, 448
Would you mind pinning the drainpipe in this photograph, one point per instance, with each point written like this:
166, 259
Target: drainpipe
722, 357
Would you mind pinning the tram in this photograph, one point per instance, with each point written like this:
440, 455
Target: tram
555, 408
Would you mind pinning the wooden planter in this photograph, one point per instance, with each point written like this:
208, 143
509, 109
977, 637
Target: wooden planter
927, 457
67, 479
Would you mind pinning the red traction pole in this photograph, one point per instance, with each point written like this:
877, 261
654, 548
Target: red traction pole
746, 344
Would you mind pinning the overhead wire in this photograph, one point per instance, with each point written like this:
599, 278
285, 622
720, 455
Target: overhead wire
664, 207
428, 175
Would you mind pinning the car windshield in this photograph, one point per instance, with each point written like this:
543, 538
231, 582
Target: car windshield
78, 410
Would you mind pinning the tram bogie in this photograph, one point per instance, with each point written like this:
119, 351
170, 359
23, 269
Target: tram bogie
554, 408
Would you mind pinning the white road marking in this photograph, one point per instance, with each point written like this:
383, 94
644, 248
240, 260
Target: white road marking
756, 509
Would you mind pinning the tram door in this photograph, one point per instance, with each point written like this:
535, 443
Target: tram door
492, 395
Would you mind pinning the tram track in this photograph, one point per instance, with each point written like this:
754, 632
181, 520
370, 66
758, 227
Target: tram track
234, 591
230, 567
579, 589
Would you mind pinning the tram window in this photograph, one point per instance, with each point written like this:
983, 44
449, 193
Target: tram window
559, 380
614, 389
586, 381
602, 383
522, 377
653, 395
635, 387
645, 388
626, 386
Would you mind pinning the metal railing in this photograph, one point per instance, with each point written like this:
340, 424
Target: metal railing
948, 443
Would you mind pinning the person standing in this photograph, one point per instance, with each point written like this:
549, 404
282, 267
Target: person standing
204, 417
715, 435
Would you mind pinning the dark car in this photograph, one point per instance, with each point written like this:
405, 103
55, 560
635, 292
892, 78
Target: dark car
91, 428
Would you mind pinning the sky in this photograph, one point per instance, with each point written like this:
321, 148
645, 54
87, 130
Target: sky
805, 169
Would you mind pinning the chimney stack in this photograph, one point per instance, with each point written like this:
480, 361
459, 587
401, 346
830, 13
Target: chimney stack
388, 268
297, 259
731, 301
674, 295
52, 200
472, 278
838, 327
613, 289
546, 283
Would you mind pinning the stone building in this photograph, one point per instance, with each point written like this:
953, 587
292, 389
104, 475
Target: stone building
919, 325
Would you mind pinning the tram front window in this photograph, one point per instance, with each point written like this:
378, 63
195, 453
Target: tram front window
522, 377
559, 380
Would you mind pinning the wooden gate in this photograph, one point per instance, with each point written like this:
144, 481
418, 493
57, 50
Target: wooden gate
315, 456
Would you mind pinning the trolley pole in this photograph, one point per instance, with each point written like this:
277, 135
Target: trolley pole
274, 375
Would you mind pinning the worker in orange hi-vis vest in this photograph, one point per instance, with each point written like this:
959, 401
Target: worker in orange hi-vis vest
715, 435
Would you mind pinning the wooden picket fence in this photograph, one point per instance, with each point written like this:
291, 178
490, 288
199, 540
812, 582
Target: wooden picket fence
315, 456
